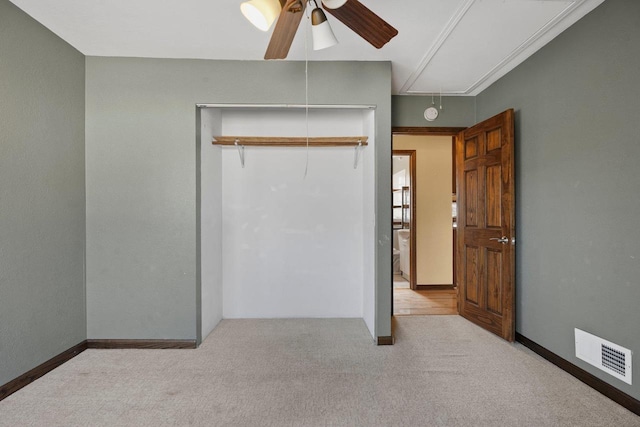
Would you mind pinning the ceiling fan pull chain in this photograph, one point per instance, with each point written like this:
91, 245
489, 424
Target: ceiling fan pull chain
306, 94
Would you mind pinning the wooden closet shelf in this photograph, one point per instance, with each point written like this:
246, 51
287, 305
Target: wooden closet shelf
282, 141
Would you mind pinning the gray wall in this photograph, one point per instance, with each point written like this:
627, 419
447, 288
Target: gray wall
457, 111
577, 103
141, 178
42, 204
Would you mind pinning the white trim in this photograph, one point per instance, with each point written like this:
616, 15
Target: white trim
562, 21
315, 106
444, 35
567, 17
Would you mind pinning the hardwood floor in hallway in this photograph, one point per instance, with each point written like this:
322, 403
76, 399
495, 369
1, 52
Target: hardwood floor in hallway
407, 302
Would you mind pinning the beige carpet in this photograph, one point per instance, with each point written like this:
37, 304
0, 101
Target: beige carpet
443, 371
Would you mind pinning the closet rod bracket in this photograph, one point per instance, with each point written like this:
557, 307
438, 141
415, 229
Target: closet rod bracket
240, 148
357, 154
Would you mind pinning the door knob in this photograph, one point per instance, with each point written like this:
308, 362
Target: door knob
502, 239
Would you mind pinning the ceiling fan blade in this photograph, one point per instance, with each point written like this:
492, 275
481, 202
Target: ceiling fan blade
286, 28
363, 22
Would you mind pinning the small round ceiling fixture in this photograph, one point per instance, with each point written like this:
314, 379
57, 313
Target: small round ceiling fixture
431, 113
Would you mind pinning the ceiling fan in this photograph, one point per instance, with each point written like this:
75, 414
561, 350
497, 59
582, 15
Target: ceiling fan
352, 13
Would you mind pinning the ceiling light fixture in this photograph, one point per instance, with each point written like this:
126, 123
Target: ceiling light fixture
261, 13
321, 30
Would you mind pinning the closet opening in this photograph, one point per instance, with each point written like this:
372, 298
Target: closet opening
286, 230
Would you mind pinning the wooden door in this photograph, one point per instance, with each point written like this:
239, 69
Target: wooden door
486, 225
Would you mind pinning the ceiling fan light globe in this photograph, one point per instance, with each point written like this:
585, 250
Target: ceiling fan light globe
261, 13
333, 4
323, 36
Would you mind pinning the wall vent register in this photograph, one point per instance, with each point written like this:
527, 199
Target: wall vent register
604, 355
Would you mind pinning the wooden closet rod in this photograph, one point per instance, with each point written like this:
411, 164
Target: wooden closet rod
284, 141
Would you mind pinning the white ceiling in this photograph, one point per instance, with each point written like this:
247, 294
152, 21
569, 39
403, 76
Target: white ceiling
457, 47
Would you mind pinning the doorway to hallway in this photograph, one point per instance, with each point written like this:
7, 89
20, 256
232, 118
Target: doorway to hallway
483, 211
431, 289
